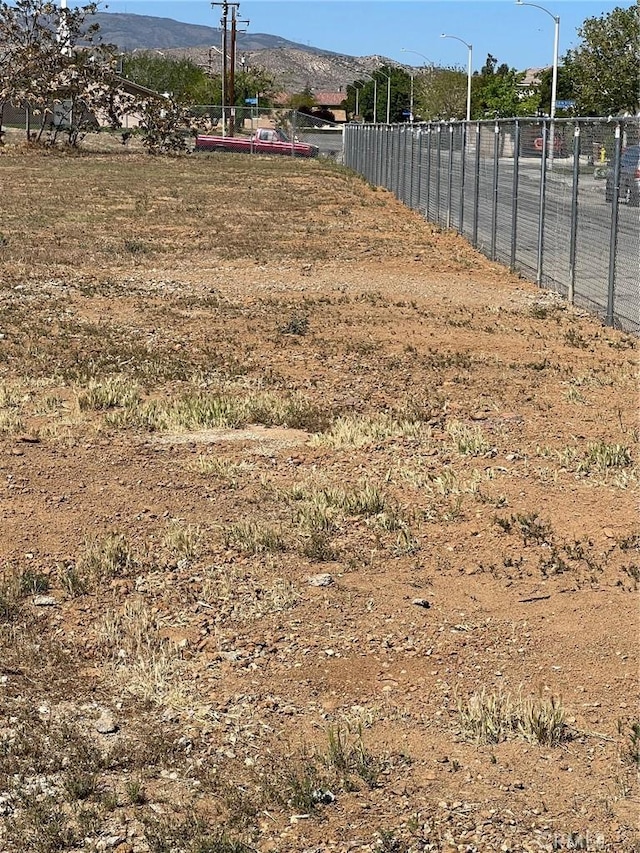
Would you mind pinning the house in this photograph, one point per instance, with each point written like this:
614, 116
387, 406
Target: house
530, 83
331, 102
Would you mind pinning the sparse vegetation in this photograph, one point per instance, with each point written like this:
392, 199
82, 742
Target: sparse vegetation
469, 441
111, 393
358, 432
491, 717
102, 559
254, 571
253, 537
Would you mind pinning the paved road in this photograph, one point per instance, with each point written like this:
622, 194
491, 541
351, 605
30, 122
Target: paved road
419, 187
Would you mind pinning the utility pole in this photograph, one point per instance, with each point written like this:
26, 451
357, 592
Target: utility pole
232, 66
227, 78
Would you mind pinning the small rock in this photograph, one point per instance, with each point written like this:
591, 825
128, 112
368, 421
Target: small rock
44, 601
324, 579
421, 602
112, 842
106, 725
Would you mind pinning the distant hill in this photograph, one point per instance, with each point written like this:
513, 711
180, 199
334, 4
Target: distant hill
137, 32
294, 65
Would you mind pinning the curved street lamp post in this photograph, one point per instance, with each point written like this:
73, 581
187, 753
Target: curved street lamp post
469, 61
554, 80
375, 94
388, 76
427, 62
357, 91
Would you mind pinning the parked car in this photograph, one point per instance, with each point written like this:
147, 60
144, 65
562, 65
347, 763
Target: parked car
629, 177
263, 141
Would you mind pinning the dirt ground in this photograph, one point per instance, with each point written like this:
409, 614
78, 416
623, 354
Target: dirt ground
319, 530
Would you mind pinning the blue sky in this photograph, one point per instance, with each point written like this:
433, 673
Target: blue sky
521, 37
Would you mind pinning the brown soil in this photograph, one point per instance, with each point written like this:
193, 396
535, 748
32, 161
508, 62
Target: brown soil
500, 553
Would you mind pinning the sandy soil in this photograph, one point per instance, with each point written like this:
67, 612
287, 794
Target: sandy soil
289, 520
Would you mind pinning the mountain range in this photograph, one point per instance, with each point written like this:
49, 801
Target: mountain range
293, 65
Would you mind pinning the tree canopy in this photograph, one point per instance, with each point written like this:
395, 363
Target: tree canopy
189, 83
604, 67
53, 64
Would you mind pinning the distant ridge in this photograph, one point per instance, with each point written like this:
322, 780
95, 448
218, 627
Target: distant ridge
137, 32
295, 66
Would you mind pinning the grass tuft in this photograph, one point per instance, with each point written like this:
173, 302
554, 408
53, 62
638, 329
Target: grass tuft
112, 393
494, 717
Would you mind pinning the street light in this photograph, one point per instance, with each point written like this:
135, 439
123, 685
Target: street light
554, 80
357, 84
375, 95
556, 39
388, 76
426, 62
470, 49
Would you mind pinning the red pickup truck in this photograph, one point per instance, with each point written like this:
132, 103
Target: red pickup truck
263, 141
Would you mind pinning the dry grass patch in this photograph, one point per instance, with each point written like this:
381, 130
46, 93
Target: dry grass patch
143, 664
353, 432
491, 717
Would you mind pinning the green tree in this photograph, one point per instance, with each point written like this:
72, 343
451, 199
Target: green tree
252, 83
565, 87
182, 78
499, 96
302, 100
441, 93
496, 92
604, 67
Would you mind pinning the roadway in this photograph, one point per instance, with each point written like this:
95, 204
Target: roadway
593, 231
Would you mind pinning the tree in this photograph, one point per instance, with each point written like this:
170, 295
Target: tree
441, 93
499, 96
54, 67
304, 100
179, 76
496, 92
565, 87
604, 67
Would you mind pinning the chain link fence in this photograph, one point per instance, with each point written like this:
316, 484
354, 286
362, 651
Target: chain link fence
555, 201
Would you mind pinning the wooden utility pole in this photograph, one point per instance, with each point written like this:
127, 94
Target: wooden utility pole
227, 78
232, 74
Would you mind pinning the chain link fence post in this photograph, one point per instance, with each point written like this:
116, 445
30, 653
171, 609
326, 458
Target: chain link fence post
541, 205
514, 195
613, 235
419, 167
429, 143
438, 171
476, 188
449, 175
573, 230
494, 190
463, 157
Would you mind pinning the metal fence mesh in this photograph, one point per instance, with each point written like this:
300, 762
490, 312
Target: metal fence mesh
553, 200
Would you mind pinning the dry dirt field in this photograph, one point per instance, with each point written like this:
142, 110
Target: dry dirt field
319, 530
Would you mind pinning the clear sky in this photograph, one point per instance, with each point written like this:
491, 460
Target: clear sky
521, 37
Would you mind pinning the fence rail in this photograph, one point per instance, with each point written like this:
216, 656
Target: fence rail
555, 201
